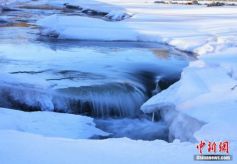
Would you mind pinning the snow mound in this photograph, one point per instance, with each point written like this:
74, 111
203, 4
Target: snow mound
49, 124
85, 28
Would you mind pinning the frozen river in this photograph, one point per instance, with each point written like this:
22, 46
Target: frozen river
99, 79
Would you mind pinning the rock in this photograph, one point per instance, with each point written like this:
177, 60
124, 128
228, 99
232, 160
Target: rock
215, 4
117, 15
68, 6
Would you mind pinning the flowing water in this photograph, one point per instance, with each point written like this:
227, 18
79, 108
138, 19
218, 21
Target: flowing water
105, 80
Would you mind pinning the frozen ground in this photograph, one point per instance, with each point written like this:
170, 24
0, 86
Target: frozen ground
201, 106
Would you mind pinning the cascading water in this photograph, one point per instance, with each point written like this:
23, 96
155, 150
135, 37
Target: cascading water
102, 101
108, 100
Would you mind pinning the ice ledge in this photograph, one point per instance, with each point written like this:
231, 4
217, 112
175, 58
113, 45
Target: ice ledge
49, 124
181, 126
206, 93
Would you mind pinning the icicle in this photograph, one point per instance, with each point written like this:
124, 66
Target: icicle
153, 117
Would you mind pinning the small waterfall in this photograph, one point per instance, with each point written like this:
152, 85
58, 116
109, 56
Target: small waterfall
107, 100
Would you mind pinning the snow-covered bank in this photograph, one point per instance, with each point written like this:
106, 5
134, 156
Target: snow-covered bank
93, 8
49, 124
192, 28
207, 91
18, 147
